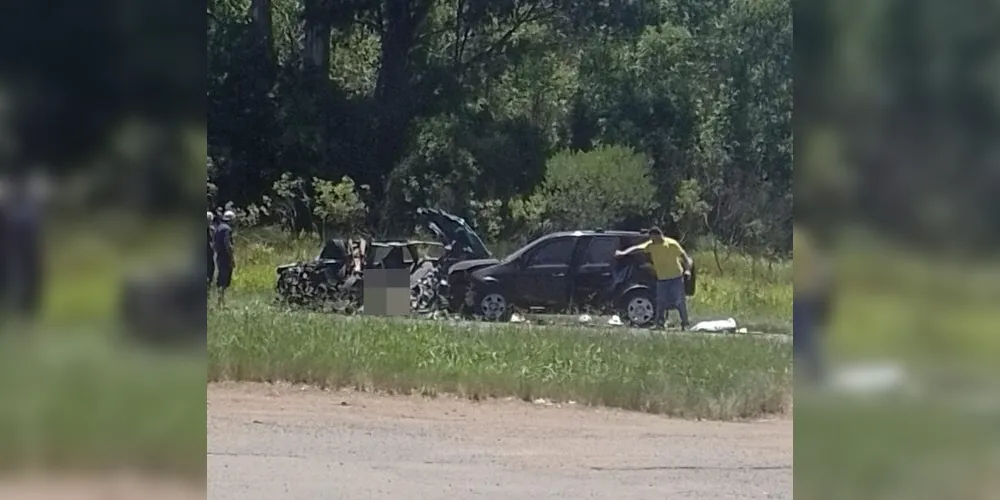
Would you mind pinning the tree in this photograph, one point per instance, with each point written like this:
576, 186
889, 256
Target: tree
595, 189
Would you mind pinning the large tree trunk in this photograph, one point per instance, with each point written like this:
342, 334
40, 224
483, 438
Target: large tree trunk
260, 12
316, 72
402, 20
316, 49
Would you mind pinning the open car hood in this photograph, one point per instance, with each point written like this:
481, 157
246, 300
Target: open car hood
450, 228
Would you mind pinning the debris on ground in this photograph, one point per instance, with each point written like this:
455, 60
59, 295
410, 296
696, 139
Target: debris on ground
516, 318
873, 378
616, 320
715, 326
585, 318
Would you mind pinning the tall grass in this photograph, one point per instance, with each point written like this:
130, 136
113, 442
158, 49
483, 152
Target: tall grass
691, 376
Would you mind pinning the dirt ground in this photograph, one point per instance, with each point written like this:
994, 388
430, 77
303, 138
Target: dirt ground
267, 442
51, 486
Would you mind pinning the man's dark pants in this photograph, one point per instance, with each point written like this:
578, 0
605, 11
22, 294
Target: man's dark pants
670, 295
211, 265
805, 337
225, 266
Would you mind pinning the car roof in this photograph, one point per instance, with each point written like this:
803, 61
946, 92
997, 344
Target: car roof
384, 244
592, 232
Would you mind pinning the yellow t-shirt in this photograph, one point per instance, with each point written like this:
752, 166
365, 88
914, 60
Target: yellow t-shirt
810, 268
666, 258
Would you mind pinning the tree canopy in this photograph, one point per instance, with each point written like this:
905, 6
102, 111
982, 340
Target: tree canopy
509, 111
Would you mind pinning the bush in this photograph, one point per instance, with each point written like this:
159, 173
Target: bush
598, 188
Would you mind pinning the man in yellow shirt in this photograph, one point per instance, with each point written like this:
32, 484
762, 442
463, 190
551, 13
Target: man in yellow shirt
671, 265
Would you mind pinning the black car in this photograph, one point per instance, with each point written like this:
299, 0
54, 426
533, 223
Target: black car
568, 271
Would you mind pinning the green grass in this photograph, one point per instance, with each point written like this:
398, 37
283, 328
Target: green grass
84, 401
936, 316
892, 303
689, 376
859, 449
74, 396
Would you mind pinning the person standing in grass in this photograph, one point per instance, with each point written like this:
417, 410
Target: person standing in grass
24, 253
225, 258
672, 265
811, 304
211, 247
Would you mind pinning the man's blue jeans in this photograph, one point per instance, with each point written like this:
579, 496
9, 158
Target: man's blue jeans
670, 295
805, 338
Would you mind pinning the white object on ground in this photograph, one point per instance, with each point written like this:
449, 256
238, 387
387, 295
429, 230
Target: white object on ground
872, 378
742, 330
516, 318
585, 318
615, 321
718, 325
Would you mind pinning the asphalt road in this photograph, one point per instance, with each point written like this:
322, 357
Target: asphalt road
267, 442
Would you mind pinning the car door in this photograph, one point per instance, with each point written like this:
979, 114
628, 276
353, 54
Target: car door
595, 273
543, 281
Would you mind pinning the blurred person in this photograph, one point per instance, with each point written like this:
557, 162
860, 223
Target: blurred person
810, 304
211, 247
4, 253
672, 266
22, 240
225, 261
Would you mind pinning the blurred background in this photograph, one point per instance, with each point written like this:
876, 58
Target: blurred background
102, 161
897, 199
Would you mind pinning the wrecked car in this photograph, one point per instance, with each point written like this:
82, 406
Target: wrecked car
569, 271
336, 276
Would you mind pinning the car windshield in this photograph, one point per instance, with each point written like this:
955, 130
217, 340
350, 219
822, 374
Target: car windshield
521, 251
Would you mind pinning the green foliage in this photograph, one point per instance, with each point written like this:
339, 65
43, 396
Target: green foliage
462, 105
689, 209
488, 217
338, 205
598, 188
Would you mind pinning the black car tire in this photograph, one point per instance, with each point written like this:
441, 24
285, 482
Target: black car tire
646, 299
495, 296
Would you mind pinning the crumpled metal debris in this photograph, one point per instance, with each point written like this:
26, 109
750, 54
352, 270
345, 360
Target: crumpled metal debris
429, 291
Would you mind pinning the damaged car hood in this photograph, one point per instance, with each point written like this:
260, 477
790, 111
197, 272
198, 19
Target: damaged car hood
472, 264
451, 228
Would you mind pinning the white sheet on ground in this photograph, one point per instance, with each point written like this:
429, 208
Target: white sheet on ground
718, 325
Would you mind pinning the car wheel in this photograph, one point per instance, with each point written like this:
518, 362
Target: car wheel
639, 308
492, 305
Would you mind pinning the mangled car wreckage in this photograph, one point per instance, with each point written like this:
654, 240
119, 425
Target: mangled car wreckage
335, 278
558, 272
